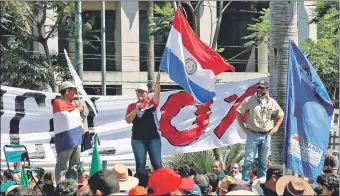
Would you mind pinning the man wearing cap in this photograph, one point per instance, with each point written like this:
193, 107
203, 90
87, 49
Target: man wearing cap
68, 130
262, 111
267, 186
145, 137
165, 181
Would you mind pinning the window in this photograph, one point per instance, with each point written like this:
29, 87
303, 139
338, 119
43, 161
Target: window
233, 27
97, 89
92, 51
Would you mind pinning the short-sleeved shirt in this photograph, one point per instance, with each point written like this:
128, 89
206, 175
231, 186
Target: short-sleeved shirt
144, 125
261, 114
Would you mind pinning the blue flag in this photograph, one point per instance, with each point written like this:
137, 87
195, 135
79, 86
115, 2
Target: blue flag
308, 116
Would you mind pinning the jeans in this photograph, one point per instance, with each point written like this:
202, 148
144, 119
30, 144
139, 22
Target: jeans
256, 143
153, 148
67, 159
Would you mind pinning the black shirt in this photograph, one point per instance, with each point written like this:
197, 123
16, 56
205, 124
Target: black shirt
144, 124
267, 191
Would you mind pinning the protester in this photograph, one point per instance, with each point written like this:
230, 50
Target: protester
48, 186
224, 185
68, 131
126, 182
202, 182
7, 180
145, 138
103, 182
331, 163
213, 182
330, 184
166, 181
218, 169
261, 110
268, 188
234, 171
66, 187
293, 185
20, 190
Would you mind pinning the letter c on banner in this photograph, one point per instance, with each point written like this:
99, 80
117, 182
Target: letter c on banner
20, 113
172, 107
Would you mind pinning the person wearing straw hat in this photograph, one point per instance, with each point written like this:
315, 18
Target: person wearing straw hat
292, 185
126, 182
145, 137
262, 111
68, 132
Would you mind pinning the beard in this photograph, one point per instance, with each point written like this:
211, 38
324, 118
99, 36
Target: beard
261, 94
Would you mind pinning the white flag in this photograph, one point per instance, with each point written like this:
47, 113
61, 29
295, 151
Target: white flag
79, 83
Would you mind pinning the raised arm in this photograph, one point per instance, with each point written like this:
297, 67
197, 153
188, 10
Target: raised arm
156, 95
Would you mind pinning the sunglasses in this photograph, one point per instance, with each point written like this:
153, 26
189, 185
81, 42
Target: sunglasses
140, 91
261, 87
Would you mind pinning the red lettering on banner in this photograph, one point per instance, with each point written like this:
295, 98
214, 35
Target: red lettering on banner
231, 116
172, 107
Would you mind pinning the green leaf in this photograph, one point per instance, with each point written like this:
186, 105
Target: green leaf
220, 50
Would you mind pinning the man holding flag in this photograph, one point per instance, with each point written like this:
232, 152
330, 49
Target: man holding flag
190, 63
68, 130
309, 113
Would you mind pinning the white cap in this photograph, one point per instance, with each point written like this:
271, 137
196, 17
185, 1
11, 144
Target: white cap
142, 87
66, 85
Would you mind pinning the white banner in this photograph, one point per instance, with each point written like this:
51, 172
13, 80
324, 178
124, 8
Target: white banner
183, 125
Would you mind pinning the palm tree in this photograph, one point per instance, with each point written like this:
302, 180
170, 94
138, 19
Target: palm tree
202, 161
283, 27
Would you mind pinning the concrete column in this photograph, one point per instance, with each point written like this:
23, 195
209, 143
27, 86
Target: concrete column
206, 26
262, 58
305, 14
127, 45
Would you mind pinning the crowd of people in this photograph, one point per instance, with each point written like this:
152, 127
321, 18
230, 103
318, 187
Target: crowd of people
120, 180
257, 176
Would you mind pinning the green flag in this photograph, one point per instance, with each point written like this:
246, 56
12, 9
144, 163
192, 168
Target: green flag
95, 162
24, 179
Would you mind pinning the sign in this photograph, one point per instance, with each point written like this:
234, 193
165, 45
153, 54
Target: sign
184, 126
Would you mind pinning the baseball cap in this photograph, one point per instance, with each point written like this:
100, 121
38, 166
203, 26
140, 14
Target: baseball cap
66, 85
263, 83
138, 190
165, 180
275, 169
142, 87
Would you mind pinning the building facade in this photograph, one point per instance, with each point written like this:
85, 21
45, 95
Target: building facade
126, 41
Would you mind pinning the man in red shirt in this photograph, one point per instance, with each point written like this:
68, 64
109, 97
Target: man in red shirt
68, 130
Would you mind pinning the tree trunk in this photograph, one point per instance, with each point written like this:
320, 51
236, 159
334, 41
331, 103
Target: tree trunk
218, 25
150, 48
283, 27
52, 81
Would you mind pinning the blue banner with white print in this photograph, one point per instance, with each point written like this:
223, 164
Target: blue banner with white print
308, 116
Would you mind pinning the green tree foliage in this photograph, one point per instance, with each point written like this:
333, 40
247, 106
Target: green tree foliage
202, 161
260, 30
24, 69
323, 53
23, 23
163, 16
